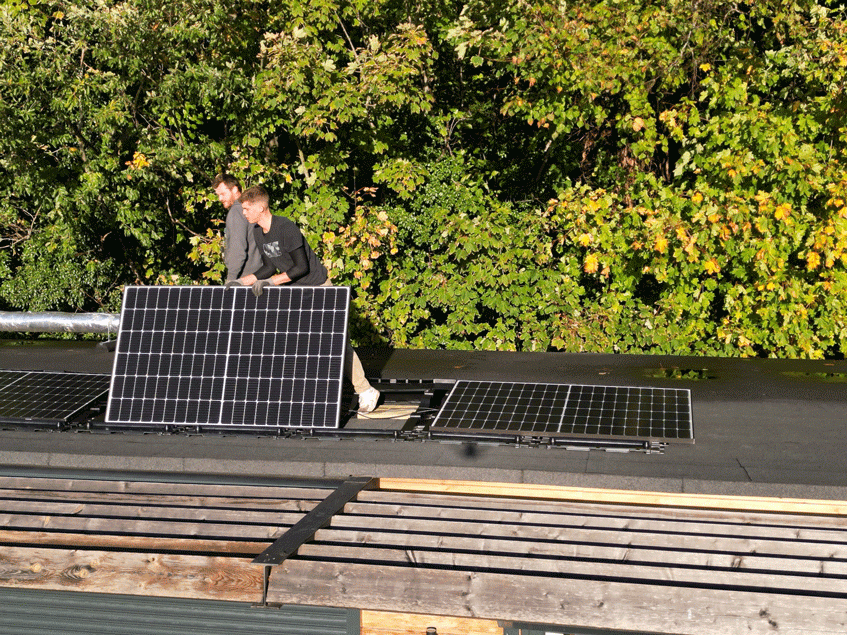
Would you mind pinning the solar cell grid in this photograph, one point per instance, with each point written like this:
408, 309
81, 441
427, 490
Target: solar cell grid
222, 357
566, 410
48, 397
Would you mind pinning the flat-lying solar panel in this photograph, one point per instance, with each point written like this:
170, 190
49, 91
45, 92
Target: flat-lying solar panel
45, 397
567, 410
210, 356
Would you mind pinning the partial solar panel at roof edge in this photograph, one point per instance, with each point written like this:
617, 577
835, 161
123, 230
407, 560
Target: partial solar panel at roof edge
567, 410
48, 397
210, 356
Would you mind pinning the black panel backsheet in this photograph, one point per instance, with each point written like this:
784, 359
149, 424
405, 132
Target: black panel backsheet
567, 410
210, 356
45, 397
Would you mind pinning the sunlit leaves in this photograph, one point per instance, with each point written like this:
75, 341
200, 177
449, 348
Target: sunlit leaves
627, 176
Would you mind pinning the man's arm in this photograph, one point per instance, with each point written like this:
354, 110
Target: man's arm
235, 248
297, 270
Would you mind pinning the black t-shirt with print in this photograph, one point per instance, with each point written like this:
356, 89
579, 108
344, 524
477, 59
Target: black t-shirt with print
278, 248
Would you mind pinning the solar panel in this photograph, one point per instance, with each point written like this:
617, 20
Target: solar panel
567, 410
46, 397
210, 356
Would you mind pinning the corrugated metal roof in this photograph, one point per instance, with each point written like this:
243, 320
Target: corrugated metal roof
38, 612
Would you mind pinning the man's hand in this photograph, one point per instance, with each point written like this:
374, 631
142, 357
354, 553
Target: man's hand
259, 286
231, 284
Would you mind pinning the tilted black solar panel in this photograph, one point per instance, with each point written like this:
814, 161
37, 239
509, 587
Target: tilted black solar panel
567, 410
210, 356
46, 397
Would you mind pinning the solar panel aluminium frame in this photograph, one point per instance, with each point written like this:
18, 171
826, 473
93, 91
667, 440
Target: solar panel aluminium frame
208, 356
583, 411
52, 398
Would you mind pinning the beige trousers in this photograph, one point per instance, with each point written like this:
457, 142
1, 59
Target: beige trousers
352, 364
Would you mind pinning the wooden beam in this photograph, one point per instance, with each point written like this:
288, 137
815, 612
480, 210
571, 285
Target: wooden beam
622, 520
623, 551
548, 505
147, 544
164, 488
552, 568
659, 608
742, 545
387, 623
141, 527
164, 575
140, 512
180, 500
634, 497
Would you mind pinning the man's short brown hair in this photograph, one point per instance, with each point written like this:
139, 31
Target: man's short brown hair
256, 194
227, 179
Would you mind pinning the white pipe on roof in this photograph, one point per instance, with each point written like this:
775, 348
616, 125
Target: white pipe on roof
55, 322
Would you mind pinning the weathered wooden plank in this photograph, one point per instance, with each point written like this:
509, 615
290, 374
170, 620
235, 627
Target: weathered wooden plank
474, 503
140, 512
149, 544
738, 546
551, 568
715, 561
385, 623
562, 601
592, 521
167, 575
164, 488
144, 527
634, 497
154, 499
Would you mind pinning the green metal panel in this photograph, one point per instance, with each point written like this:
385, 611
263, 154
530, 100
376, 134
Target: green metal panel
38, 612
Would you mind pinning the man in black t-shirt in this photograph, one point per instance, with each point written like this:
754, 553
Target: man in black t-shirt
287, 258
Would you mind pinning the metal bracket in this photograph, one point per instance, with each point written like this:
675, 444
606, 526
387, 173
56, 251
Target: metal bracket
306, 528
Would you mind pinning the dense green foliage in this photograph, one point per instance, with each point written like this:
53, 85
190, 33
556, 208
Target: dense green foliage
632, 176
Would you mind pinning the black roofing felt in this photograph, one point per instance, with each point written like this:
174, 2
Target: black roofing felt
762, 427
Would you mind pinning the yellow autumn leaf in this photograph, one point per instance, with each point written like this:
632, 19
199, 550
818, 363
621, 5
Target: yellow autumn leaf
813, 260
762, 198
591, 264
585, 240
697, 197
138, 162
661, 244
711, 266
782, 211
